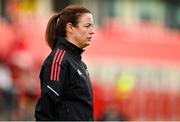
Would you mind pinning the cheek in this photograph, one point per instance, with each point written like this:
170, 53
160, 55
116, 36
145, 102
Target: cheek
83, 34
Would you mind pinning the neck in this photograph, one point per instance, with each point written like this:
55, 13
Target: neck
72, 41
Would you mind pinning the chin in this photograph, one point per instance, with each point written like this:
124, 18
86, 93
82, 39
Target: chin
85, 45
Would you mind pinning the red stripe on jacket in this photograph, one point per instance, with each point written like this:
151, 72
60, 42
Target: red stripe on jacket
53, 63
56, 65
59, 66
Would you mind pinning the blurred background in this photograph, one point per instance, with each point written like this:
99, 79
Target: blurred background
133, 60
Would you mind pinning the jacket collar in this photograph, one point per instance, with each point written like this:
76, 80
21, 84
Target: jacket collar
70, 46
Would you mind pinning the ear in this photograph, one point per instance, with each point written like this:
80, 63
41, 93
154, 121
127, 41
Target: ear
69, 27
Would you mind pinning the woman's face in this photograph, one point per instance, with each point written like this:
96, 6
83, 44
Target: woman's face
84, 31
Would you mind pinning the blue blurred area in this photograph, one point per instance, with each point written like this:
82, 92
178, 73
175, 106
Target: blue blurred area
133, 60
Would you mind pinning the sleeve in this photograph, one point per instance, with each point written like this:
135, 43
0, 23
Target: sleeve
58, 73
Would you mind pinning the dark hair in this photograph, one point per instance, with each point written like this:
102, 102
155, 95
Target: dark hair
57, 24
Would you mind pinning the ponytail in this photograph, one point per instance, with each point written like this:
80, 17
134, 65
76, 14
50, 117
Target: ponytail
51, 31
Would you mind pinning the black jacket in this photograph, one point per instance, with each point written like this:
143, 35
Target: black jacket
66, 92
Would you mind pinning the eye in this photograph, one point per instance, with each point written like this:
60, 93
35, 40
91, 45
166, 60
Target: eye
87, 26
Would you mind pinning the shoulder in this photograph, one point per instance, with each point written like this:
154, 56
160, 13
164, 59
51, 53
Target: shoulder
59, 56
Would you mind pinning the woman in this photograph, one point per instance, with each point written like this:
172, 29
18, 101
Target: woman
66, 92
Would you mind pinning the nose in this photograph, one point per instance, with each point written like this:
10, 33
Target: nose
92, 31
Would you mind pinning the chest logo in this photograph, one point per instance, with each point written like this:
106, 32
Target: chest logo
79, 72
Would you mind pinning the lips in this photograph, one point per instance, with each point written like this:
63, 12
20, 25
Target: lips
89, 38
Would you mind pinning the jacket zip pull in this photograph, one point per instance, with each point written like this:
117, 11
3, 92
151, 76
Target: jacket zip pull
68, 110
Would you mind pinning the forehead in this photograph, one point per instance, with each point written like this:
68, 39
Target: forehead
86, 18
